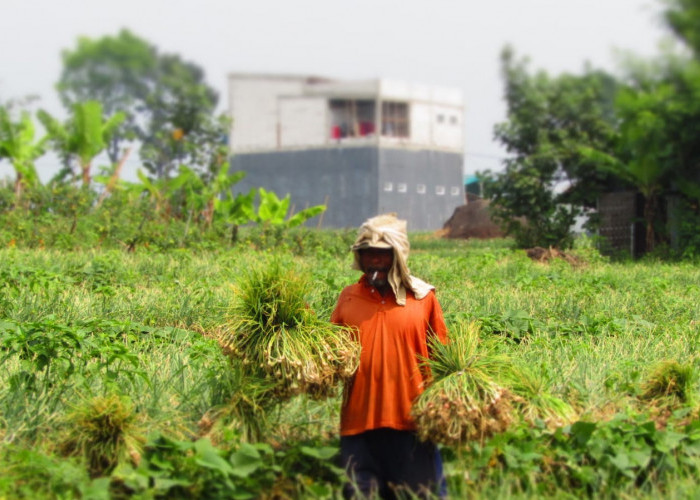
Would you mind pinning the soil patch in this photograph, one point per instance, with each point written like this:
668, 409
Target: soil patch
472, 220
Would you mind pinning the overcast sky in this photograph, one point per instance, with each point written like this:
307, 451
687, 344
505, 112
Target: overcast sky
453, 43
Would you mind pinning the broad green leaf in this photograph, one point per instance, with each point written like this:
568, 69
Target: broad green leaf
322, 453
208, 456
581, 432
245, 460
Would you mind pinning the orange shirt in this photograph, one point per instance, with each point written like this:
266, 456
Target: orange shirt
393, 339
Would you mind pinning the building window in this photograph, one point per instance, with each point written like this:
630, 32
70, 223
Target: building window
455, 191
388, 186
440, 190
454, 120
420, 188
401, 187
351, 118
440, 118
395, 119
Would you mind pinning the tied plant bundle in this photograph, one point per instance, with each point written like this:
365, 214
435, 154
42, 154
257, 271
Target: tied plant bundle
276, 334
465, 399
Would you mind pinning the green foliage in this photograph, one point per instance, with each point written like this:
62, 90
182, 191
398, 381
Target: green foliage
688, 215
624, 455
683, 16
76, 326
273, 211
17, 144
159, 94
549, 120
167, 104
591, 133
671, 379
184, 211
28, 474
180, 469
116, 71
84, 136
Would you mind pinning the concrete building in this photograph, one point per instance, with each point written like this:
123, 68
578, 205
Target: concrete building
359, 147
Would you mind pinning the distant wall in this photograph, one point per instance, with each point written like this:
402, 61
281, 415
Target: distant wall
426, 186
423, 187
345, 177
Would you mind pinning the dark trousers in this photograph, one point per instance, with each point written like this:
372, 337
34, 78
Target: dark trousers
392, 464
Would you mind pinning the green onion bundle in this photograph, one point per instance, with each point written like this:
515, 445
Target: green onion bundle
465, 401
274, 332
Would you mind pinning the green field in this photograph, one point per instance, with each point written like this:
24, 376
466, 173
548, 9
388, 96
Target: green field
113, 387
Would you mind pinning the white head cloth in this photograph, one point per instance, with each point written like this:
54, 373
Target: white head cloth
387, 231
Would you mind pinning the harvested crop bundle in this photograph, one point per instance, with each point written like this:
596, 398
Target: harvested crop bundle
465, 400
274, 331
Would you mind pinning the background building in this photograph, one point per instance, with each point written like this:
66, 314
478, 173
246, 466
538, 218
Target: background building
359, 147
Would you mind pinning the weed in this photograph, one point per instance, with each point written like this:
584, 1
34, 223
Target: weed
104, 431
670, 379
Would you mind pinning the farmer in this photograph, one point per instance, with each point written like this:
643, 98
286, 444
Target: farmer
394, 315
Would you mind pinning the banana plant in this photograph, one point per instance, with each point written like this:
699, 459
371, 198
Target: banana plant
235, 210
158, 190
84, 136
273, 210
18, 146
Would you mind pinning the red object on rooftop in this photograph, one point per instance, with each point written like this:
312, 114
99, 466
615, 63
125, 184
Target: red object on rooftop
366, 128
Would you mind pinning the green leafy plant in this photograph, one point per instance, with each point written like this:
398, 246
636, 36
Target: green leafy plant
273, 210
84, 136
17, 144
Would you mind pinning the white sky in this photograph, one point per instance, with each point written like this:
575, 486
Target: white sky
453, 43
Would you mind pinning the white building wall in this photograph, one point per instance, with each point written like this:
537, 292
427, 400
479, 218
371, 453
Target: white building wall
421, 117
448, 126
254, 104
344, 89
277, 111
303, 121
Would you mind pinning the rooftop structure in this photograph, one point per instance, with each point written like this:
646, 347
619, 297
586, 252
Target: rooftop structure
360, 147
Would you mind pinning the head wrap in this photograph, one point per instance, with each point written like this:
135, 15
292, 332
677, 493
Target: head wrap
387, 231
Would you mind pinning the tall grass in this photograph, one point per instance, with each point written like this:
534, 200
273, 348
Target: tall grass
84, 324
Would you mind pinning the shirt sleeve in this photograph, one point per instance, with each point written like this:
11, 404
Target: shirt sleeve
436, 320
336, 317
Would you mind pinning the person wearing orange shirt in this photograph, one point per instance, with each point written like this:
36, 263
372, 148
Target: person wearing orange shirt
394, 315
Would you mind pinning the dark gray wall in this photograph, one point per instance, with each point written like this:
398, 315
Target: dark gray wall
352, 181
431, 169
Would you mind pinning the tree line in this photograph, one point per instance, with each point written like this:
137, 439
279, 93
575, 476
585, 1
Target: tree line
571, 138
119, 91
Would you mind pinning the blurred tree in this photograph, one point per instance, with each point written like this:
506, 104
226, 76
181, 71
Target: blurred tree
656, 147
644, 149
119, 72
18, 145
84, 136
547, 181
683, 18
167, 103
